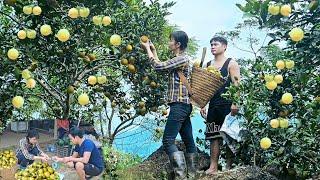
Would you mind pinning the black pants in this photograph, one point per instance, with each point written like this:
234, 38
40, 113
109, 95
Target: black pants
215, 119
90, 169
178, 122
23, 161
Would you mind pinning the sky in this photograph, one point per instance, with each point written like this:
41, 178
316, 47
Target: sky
203, 18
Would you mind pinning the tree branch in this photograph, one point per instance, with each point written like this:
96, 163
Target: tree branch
53, 88
45, 99
48, 89
120, 127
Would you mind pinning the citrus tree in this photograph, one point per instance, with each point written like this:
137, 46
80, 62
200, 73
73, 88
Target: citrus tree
279, 93
81, 58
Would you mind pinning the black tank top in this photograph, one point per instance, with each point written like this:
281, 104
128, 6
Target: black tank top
217, 99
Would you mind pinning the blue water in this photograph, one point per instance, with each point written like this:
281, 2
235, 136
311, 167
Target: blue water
140, 141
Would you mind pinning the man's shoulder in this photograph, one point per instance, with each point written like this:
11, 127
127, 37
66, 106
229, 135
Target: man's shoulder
233, 62
88, 142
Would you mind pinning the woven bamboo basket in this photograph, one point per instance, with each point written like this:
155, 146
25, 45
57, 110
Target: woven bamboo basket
204, 84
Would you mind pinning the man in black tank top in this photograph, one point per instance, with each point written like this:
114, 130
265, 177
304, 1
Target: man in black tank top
220, 107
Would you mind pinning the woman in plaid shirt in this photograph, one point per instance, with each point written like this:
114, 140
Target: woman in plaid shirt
29, 150
180, 107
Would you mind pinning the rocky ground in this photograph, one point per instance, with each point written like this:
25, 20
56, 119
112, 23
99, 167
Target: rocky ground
156, 166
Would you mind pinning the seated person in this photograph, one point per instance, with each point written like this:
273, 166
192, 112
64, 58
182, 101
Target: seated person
29, 150
86, 158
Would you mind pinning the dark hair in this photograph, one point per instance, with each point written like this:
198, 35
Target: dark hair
181, 37
75, 131
32, 133
93, 132
219, 39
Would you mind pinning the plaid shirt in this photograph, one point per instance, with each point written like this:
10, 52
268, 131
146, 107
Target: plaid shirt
177, 91
25, 147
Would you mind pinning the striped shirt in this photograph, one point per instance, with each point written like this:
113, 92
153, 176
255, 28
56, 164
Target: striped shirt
25, 147
177, 91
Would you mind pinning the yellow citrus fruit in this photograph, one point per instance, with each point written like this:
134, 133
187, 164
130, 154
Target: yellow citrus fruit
287, 98
124, 61
115, 40
97, 20
27, 9
274, 123
45, 30
197, 63
278, 78
212, 68
265, 143
36, 10
284, 123
22, 34
102, 79
26, 74
13, 54
83, 99
63, 35
285, 10
268, 77
129, 47
296, 34
131, 68
73, 13
144, 38
84, 12
271, 85
280, 64
106, 20
17, 101
31, 83
289, 64
92, 80
274, 9
31, 34
153, 84
70, 89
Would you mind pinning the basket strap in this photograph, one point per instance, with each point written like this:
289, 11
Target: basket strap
184, 81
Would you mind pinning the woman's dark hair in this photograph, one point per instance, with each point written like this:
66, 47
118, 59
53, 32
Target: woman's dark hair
92, 131
219, 39
75, 131
181, 37
31, 134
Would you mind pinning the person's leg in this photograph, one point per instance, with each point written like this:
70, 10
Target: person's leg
229, 155
186, 133
22, 161
91, 171
175, 119
212, 133
191, 150
214, 152
172, 128
79, 166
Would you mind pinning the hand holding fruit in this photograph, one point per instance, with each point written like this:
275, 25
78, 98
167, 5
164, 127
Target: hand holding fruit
66, 159
43, 159
234, 109
146, 45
